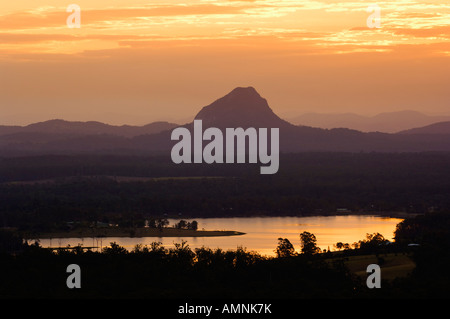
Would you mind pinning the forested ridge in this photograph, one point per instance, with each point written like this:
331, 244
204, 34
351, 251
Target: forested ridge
87, 188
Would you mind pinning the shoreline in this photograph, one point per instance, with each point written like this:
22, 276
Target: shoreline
133, 233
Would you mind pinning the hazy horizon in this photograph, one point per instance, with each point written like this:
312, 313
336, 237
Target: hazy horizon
181, 121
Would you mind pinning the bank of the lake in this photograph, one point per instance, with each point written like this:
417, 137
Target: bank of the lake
132, 233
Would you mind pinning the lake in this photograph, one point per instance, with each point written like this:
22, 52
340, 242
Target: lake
261, 233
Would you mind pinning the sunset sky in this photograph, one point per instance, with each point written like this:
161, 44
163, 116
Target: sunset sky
137, 61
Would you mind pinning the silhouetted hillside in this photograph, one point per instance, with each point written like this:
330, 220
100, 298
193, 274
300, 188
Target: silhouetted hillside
388, 122
436, 128
86, 128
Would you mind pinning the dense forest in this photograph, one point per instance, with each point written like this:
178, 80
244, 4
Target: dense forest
131, 189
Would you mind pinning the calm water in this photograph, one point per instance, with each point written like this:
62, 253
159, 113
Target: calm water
262, 233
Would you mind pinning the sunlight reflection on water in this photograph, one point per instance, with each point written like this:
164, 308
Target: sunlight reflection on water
261, 233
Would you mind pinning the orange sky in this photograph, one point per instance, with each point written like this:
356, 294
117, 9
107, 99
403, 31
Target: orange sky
136, 61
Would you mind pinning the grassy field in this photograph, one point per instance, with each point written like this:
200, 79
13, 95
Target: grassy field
392, 265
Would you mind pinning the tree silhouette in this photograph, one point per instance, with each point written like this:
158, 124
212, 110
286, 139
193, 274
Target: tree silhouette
115, 249
339, 245
193, 225
182, 224
373, 242
161, 223
285, 248
308, 243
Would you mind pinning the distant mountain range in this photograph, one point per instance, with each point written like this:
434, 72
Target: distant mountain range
436, 128
87, 128
389, 122
242, 107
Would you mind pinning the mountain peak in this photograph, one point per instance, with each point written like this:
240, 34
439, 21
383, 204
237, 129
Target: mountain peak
242, 107
243, 98
245, 92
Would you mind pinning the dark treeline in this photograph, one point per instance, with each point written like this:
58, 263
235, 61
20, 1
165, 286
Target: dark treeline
305, 165
154, 271
180, 272
84, 188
